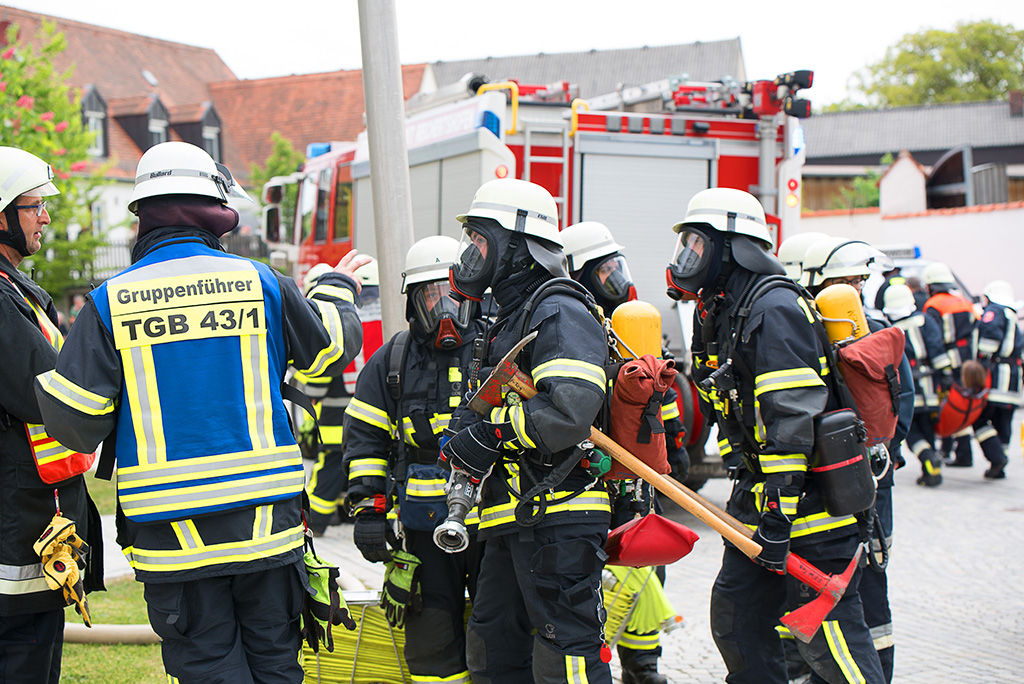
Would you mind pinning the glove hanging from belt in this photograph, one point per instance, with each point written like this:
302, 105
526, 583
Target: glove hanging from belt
323, 606
401, 594
64, 557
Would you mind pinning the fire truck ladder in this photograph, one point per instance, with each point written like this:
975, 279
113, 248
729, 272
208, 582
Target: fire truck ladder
560, 128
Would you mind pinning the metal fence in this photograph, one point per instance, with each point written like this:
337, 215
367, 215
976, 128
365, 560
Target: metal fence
116, 255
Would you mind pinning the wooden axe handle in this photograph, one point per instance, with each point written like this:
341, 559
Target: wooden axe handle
707, 513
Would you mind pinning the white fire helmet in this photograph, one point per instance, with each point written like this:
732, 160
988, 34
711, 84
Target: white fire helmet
22, 172
727, 210
937, 273
309, 280
842, 258
517, 205
792, 252
180, 168
1000, 292
898, 302
368, 274
585, 241
429, 259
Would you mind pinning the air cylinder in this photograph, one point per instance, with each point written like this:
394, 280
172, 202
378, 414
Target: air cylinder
638, 325
843, 312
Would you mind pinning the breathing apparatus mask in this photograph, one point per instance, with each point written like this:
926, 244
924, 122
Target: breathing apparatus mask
694, 263
437, 315
609, 280
477, 265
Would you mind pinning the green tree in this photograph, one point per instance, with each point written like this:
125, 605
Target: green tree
863, 191
283, 160
976, 61
40, 113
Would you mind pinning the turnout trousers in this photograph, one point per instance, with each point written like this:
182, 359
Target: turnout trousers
538, 615
31, 647
235, 629
435, 637
746, 604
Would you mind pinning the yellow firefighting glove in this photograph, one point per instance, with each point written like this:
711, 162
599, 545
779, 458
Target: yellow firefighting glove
75, 593
401, 593
60, 568
323, 605
60, 530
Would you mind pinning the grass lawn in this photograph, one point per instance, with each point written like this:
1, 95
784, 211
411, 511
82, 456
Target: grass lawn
121, 604
104, 493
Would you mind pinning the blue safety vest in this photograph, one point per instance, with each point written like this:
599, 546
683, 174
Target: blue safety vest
201, 424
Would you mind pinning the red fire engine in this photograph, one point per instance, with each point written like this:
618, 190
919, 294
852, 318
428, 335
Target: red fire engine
631, 159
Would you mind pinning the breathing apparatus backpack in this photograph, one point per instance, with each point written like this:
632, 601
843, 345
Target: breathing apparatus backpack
840, 461
637, 413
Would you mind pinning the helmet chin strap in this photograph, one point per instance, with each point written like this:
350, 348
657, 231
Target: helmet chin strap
15, 234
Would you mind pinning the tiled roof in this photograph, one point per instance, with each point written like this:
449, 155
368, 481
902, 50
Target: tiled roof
304, 109
598, 72
860, 134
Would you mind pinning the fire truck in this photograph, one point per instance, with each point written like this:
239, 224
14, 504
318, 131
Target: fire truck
631, 159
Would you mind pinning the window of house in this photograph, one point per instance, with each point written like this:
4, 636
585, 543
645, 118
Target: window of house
211, 141
157, 131
96, 123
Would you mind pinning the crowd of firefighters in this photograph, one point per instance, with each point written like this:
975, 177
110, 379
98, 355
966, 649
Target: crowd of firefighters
178, 367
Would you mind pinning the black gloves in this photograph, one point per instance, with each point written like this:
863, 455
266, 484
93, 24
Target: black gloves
371, 535
775, 526
475, 450
773, 553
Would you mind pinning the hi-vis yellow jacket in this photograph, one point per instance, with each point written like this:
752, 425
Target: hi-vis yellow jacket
180, 359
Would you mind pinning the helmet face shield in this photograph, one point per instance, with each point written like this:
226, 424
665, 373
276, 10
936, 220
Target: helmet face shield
690, 264
611, 278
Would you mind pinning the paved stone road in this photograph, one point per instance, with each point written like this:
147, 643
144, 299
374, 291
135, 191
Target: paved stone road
956, 580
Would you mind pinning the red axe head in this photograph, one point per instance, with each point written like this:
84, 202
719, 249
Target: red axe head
805, 621
489, 393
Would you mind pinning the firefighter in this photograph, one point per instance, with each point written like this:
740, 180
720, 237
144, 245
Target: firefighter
404, 399
840, 260
328, 478
930, 361
792, 252
958, 320
893, 276
722, 250
538, 613
596, 262
1000, 350
31, 613
177, 365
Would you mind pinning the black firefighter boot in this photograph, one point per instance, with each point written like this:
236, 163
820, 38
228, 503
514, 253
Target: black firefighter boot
931, 468
640, 667
963, 457
996, 455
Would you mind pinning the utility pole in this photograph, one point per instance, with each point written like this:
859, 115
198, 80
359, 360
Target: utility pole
389, 157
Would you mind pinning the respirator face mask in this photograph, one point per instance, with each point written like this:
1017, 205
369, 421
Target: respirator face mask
440, 316
471, 275
611, 281
688, 270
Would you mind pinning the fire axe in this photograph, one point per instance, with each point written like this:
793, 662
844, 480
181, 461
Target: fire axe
803, 622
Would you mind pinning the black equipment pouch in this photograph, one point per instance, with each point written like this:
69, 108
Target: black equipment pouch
841, 464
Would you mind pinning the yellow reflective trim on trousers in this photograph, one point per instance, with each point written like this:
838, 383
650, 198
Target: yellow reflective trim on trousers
639, 642
331, 435
318, 505
216, 494
140, 386
371, 415
669, 410
367, 467
575, 669
786, 379
503, 513
70, 394
332, 291
570, 368
841, 652
255, 379
263, 521
164, 560
460, 678
331, 318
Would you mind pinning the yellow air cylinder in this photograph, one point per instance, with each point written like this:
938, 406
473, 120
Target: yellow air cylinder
638, 325
842, 302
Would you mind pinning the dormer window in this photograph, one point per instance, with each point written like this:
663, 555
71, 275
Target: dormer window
211, 141
158, 124
94, 117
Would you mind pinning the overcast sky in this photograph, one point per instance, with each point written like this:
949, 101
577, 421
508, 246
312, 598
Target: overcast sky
269, 38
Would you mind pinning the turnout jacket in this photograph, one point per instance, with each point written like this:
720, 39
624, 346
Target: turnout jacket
179, 360
386, 437
1000, 349
924, 346
566, 364
790, 386
956, 318
26, 502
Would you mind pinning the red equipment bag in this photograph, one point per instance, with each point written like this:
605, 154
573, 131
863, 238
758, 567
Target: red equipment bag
870, 368
636, 424
960, 409
650, 540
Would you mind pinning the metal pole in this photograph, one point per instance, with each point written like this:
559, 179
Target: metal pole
389, 158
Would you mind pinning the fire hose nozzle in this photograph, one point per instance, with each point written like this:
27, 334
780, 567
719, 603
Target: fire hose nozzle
451, 535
